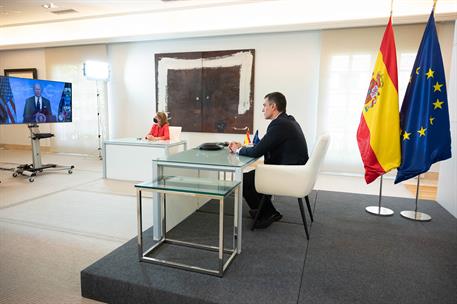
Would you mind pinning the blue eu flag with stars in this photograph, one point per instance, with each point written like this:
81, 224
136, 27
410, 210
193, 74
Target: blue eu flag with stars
424, 115
256, 139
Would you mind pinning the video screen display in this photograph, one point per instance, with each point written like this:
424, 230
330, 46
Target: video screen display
30, 101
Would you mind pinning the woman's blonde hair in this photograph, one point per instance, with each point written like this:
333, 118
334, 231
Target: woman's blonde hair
163, 118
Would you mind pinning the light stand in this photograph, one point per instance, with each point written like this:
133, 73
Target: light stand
99, 124
98, 71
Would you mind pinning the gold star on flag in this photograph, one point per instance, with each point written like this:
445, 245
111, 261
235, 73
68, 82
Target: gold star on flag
430, 73
431, 120
437, 87
417, 70
406, 135
421, 131
437, 104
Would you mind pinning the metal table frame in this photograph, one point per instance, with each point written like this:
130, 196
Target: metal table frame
142, 255
237, 175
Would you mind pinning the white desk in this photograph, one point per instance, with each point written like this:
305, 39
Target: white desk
131, 158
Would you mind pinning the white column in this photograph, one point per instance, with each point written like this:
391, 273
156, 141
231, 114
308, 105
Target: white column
447, 192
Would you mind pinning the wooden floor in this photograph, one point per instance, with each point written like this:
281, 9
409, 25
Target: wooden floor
425, 192
427, 187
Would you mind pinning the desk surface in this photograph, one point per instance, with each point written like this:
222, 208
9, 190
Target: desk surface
132, 141
209, 158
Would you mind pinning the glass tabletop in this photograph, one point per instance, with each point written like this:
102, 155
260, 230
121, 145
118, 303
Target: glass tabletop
191, 185
212, 158
142, 141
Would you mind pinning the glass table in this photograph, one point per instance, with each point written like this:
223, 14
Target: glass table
207, 188
220, 161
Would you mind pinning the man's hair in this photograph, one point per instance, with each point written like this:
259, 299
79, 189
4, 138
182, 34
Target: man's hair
278, 99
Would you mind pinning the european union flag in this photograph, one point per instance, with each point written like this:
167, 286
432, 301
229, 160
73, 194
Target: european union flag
256, 139
424, 115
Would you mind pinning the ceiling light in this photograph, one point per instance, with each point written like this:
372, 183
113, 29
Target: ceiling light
49, 5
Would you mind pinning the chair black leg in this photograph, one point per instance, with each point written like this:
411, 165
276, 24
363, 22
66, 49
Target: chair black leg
302, 211
309, 208
258, 212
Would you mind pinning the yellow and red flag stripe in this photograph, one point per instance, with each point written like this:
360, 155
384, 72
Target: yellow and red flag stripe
378, 135
247, 138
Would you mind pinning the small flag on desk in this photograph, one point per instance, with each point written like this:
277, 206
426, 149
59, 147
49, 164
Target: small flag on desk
256, 139
247, 138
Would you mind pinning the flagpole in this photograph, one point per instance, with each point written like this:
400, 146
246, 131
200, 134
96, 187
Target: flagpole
378, 210
414, 215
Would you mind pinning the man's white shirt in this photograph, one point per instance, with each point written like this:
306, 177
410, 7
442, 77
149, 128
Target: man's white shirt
36, 102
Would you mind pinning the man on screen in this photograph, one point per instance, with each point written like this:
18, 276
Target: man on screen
37, 108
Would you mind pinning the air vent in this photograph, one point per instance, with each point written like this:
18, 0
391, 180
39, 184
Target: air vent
66, 11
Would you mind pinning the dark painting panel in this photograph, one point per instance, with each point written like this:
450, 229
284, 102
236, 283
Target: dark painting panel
184, 103
202, 90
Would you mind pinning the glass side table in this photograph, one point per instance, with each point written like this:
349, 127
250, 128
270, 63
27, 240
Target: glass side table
197, 187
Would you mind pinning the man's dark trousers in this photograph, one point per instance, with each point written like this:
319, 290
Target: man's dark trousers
253, 198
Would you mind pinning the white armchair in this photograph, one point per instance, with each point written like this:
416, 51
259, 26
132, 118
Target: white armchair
175, 133
294, 181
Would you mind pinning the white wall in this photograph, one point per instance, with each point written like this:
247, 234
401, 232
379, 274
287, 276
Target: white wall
363, 41
285, 62
447, 191
22, 59
66, 64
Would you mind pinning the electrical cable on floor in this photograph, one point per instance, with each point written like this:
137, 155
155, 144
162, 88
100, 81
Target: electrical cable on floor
7, 169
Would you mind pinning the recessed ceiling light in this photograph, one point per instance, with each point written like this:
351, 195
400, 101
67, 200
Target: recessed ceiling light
49, 5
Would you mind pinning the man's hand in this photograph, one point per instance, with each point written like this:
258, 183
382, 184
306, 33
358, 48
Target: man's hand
233, 146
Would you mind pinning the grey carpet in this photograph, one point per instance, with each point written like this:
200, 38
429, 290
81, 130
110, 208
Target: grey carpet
352, 257
355, 257
252, 277
287, 206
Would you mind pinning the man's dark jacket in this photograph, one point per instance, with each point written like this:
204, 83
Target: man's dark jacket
283, 144
30, 109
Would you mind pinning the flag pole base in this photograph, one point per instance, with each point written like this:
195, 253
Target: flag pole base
381, 211
416, 216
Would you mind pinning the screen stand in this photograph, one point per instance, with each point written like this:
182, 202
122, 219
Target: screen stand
37, 167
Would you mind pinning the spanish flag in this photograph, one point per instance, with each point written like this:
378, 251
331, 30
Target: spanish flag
247, 138
378, 135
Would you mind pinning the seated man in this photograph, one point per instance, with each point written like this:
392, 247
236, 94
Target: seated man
283, 144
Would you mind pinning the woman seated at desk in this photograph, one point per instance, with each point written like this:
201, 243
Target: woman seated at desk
159, 130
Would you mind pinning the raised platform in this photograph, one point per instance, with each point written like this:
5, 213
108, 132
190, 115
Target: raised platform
352, 257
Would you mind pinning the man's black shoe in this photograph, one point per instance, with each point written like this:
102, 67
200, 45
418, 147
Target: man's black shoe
253, 213
268, 220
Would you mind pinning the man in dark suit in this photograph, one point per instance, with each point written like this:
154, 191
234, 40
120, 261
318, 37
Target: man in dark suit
37, 108
283, 144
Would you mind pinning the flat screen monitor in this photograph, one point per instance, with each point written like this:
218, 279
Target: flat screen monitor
32, 101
